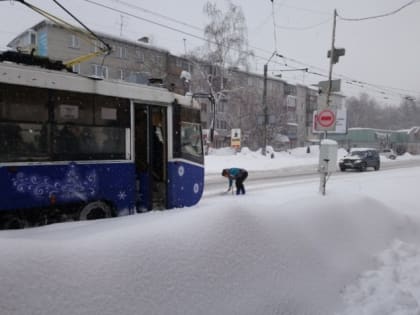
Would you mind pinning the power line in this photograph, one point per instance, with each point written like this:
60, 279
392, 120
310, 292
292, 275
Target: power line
256, 56
380, 15
378, 89
304, 9
303, 28
146, 20
206, 40
167, 18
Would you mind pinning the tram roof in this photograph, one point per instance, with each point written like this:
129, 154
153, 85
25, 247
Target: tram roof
34, 76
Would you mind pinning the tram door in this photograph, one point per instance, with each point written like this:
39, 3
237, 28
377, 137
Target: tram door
151, 156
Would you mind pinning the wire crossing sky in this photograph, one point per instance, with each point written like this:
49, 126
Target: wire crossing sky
381, 48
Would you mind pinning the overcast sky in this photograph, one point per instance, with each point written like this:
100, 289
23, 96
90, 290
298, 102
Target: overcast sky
382, 53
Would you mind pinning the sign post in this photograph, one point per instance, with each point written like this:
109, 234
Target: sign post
235, 139
324, 85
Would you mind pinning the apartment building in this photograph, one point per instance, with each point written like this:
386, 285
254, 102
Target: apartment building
134, 61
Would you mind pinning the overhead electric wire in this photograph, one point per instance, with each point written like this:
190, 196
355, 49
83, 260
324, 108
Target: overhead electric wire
55, 19
206, 40
380, 90
303, 28
256, 56
380, 15
146, 20
86, 36
285, 27
382, 87
157, 14
86, 28
304, 9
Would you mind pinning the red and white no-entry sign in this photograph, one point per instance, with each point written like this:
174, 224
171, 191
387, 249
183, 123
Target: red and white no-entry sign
326, 118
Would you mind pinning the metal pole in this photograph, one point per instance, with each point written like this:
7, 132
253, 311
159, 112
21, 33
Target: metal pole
264, 101
331, 58
324, 172
265, 109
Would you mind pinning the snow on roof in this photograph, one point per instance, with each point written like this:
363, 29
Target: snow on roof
328, 141
355, 149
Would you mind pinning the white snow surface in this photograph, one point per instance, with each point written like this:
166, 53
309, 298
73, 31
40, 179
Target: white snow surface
278, 250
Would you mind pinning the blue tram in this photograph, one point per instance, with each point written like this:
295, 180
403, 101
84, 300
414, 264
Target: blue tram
79, 148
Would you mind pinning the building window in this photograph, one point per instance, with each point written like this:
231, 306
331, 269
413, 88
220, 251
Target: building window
32, 38
100, 71
221, 124
184, 65
138, 77
139, 56
291, 117
157, 59
98, 46
122, 74
121, 52
74, 42
290, 89
291, 101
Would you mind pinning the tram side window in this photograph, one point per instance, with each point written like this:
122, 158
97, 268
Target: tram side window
112, 111
23, 104
91, 128
22, 142
73, 108
191, 144
23, 135
89, 142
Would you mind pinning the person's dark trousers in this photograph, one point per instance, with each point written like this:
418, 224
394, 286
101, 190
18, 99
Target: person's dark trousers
239, 182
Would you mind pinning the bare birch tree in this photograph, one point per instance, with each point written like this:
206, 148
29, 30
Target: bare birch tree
226, 39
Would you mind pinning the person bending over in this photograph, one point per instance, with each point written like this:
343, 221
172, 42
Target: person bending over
238, 175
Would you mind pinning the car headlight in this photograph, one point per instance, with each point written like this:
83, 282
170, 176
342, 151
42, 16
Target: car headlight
358, 161
341, 161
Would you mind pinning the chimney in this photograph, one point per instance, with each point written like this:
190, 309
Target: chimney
144, 39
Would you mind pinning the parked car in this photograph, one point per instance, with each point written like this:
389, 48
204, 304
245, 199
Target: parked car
360, 159
389, 153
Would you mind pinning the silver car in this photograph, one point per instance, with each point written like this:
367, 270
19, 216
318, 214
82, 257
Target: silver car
389, 154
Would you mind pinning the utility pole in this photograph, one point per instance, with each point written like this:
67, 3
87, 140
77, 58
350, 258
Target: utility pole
264, 100
324, 170
332, 58
264, 103
328, 151
265, 109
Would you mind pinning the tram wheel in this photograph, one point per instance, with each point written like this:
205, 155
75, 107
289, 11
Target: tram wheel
95, 210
